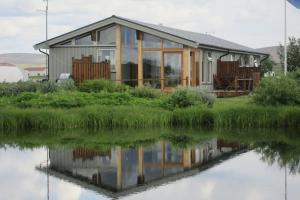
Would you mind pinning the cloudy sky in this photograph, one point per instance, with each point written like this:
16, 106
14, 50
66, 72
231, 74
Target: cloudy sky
255, 23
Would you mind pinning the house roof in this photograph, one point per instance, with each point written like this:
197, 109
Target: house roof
7, 65
32, 69
188, 38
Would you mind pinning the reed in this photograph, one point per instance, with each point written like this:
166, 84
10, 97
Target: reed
98, 117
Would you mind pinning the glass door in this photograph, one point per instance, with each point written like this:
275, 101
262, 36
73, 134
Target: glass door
172, 69
108, 55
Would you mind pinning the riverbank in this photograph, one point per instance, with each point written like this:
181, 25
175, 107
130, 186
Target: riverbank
226, 113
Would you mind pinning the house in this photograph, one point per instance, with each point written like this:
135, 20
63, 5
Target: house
10, 73
140, 53
121, 171
273, 51
36, 71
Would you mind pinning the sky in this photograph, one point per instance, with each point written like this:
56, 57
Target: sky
254, 23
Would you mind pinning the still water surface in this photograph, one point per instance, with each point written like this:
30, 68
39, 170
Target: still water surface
214, 168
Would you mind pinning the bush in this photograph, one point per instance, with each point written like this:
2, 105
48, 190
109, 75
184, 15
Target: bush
205, 96
28, 99
295, 75
277, 91
67, 85
48, 87
180, 98
102, 85
13, 89
146, 92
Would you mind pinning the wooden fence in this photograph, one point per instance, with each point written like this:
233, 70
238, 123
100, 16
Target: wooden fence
231, 69
231, 76
84, 69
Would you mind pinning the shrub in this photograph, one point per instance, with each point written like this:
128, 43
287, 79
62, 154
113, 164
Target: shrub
27, 99
48, 87
277, 91
295, 75
102, 85
13, 89
145, 92
180, 98
205, 96
67, 85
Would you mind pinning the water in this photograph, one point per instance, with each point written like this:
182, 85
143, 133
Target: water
212, 167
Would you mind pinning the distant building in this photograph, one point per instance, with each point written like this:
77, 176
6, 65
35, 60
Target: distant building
35, 71
274, 56
10, 73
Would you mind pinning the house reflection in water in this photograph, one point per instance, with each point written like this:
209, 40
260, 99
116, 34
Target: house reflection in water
121, 169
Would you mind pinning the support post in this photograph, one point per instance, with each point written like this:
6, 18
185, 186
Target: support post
285, 35
140, 60
118, 54
119, 167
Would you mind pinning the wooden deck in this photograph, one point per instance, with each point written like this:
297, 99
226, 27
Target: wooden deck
230, 93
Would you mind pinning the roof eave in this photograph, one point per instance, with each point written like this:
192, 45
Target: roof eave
230, 50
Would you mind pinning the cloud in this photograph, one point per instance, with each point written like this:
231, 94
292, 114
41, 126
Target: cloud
254, 23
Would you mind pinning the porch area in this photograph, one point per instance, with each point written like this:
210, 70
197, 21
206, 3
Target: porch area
232, 80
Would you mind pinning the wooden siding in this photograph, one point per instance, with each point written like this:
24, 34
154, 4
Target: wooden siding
84, 69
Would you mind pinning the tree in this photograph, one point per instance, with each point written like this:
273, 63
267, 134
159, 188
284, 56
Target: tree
293, 54
267, 65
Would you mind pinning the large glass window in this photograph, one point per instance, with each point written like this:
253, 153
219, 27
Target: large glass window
170, 44
107, 36
108, 55
151, 68
207, 69
84, 40
172, 69
151, 41
129, 56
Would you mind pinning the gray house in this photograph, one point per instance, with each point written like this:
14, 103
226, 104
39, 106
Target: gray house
141, 53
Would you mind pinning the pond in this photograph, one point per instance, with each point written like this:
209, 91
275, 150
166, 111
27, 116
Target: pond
156, 164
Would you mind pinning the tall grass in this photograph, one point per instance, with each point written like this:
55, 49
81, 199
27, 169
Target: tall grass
98, 117
251, 116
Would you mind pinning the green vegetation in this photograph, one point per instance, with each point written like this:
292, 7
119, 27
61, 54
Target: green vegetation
267, 65
104, 104
102, 85
293, 54
277, 91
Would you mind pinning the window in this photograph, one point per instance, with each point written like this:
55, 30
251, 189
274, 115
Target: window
251, 61
151, 68
172, 69
170, 44
150, 41
65, 43
232, 57
107, 36
85, 40
108, 55
207, 69
245, 61
129, 56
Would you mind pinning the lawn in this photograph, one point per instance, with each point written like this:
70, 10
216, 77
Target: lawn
102, 104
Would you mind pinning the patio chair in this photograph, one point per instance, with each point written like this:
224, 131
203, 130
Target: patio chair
218, 84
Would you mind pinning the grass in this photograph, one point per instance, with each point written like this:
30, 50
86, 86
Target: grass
66, 110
